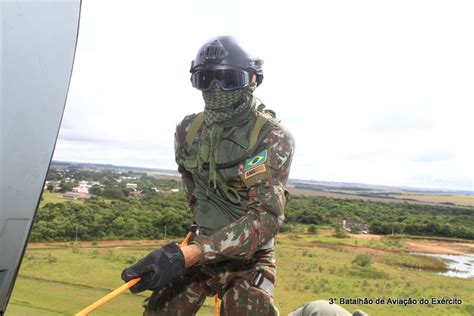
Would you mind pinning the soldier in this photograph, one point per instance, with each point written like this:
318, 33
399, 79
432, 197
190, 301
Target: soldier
324, 308
234, 158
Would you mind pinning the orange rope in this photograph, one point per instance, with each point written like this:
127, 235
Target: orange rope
108, 297
120, 290
186, 240
216, 305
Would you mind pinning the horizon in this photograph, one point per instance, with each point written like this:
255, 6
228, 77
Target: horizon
448, 190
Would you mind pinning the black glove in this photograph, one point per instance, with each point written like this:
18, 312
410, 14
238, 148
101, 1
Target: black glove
157, 269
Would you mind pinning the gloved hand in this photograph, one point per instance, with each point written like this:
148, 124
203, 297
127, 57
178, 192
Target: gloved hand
157, 269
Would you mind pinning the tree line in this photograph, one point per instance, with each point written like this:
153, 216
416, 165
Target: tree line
150, 217
384, 218
157, 214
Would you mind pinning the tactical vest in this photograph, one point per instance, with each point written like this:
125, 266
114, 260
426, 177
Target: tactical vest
212, 208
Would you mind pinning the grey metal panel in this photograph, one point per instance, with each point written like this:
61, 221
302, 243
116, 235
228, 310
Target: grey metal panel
38, 42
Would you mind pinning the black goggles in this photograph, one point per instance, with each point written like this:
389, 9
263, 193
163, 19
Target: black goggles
228, 79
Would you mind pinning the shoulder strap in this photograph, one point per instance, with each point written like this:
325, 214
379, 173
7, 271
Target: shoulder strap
195, 124
262, 118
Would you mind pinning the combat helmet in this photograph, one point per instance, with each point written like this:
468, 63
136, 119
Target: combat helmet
223, 59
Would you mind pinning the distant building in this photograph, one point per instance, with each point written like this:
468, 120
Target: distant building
168, 192
56, 184
136, 193
76, 196
350, 225
128, 178
83, 187
131, 185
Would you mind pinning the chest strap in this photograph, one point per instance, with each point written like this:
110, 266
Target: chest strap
198, 120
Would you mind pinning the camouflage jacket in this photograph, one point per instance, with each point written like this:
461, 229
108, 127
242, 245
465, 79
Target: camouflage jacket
231, 231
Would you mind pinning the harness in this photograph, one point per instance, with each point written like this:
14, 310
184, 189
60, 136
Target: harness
256, 137
257, 279
263, 116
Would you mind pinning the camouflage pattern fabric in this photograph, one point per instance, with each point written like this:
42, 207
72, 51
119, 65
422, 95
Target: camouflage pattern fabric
237, 235
265, 204
234, 231
217, 103
230, 280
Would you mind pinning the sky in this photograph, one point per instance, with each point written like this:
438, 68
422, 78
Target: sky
375, 92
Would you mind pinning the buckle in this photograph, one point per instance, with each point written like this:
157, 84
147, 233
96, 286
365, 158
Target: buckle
263, 283
258, 280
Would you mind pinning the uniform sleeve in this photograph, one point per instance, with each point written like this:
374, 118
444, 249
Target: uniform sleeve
180, 154
267, 200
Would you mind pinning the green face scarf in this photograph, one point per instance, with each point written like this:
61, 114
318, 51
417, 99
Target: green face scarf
223, 107
224, 111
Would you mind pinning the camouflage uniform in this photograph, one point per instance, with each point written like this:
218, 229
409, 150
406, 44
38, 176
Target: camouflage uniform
237, 237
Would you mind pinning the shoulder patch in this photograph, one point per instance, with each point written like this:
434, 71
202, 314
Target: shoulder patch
255, 161
255, 169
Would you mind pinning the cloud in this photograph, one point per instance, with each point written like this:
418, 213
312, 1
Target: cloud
433, 156
367, 98
140, 143
401, 120
363, 155
428, 180
130, 154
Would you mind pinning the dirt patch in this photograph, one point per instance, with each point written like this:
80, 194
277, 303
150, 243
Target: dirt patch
366, 236
430, 248
346, 247
427, 246
115, 244
412, 247
440, 247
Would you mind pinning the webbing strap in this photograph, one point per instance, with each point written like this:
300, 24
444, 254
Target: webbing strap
195, 124
261, 120
198, 120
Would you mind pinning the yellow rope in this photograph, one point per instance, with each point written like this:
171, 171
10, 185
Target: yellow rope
120, 290
216, 305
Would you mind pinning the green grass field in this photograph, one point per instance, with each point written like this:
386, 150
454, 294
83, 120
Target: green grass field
54, 197
62, 278
50, 197
454, 199
465, 200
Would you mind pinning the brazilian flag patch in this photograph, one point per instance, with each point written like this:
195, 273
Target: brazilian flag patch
255, 161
